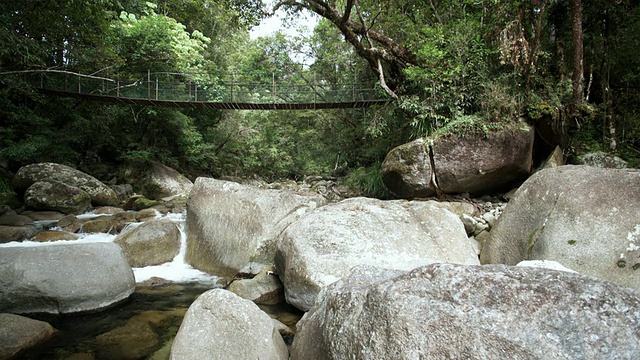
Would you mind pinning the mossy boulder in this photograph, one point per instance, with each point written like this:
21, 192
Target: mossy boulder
407, 172
99, 193
57, 196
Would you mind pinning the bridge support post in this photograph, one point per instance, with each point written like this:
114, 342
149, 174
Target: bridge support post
148, 84
156, 87
273, 93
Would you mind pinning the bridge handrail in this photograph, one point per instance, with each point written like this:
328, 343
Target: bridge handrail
175, 86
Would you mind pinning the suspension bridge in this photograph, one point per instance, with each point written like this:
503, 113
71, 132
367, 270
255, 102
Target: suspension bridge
203, 91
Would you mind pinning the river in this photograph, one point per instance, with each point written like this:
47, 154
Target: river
143, 326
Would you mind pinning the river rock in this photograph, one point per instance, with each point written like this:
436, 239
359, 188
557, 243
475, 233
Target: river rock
264, 288
102, 224
222, 325
17, 233
107, 210
406, 171
62, 279
123, 191
19, 333
100, 193
585, 218
152, 243
54, 235
321, 247
15, 220
447, 311
157, 181
230, 225
478, 163
57, 196
602, 160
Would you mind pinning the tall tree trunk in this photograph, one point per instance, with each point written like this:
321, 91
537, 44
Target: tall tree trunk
578, 51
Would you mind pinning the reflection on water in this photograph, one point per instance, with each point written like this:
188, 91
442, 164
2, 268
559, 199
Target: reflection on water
141, 328
136, 329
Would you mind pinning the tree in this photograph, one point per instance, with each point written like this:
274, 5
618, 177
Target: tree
578, 51
159, 43
358, 24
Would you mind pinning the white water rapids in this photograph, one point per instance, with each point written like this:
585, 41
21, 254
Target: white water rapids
177, 270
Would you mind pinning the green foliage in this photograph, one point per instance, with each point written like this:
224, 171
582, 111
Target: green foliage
453, 75
368, 180
158, 42
5, 185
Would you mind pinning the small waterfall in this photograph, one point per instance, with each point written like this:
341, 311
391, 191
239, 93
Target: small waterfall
177, 270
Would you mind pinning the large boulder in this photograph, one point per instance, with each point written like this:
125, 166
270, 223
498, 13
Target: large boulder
447, 311
57, 196
321, 247
62, 279
101, 194
230, 225
222, 325
19, 333
406, 171
585, 218
479, 163
156, 181
152, 243
469, 163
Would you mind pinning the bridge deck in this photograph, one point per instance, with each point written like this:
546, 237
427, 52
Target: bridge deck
358, 104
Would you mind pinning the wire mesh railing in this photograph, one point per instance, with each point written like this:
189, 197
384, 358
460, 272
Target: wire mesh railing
180, 87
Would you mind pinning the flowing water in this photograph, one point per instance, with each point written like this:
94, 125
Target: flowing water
143, 326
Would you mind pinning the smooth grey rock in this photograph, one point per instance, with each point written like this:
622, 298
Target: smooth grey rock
156, 181
152, 243
230, 225
57, 196
62, 279
19, 333
222, 325
447, 311
321, 247
583, 217
100, 193
169, 181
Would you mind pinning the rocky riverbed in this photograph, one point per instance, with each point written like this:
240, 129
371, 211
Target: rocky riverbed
372, 276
